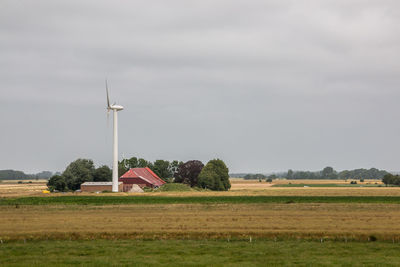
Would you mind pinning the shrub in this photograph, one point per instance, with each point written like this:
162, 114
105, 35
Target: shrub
58, 183
269, 180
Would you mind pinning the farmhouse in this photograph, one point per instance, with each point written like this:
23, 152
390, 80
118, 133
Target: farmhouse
143, 177
99, 186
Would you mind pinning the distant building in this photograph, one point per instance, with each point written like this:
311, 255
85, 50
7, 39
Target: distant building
99, 186
143, 177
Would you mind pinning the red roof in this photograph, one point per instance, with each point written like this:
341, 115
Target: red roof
145, 174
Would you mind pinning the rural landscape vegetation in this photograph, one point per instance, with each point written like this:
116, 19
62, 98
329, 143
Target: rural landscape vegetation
201, 210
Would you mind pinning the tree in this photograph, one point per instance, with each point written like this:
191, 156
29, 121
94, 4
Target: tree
57, 182
162, 169
254, 176
188, 173
78, 172
214, 176
328, 173
173, 167
142, 163
390, 179
44, 175
102, 174
289, 174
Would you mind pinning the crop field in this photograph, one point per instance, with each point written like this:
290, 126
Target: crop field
334, 221
239, 187
11, 188
248, 225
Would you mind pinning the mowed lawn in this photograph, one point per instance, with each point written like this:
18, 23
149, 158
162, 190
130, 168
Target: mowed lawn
198, 253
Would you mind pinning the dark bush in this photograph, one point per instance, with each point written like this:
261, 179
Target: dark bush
188, 173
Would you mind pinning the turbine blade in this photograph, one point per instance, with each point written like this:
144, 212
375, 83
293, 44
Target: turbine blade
108, 99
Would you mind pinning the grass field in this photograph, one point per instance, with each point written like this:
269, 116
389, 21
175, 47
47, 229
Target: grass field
198, 253
162, 199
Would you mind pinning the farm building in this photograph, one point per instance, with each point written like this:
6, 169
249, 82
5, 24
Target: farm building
143, 177
99, 186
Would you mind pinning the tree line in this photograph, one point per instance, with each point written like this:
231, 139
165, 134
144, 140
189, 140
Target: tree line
214, 175
20, 175
390, 179
326, 173
330, 173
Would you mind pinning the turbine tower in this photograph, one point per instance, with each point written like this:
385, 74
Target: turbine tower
115, 108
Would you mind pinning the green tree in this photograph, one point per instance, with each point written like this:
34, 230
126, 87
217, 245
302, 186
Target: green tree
328, 173
174, 166
215, 176
290, 174
142, 163
102, 174
390, 179
78, 172
58, 183
162, 169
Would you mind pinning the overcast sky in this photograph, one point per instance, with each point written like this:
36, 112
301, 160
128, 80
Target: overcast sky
264, 85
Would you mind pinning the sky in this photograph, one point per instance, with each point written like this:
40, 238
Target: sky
263, 85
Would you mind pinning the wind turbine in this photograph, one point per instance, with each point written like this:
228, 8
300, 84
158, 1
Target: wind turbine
115, 108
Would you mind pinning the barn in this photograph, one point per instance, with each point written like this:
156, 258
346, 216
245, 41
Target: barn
99, 186
143, 177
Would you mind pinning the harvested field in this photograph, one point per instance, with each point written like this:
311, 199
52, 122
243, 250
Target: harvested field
11, 188
239, 188
199, 221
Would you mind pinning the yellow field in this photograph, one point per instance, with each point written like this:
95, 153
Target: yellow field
296, 220
352, 221
239, 187
11, 188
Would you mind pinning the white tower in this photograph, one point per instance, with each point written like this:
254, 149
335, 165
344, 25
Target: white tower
115, 108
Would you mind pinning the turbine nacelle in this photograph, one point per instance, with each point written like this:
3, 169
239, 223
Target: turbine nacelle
115, 107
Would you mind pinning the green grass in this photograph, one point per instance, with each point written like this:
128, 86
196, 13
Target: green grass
121, 200
197, 253
327, 185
